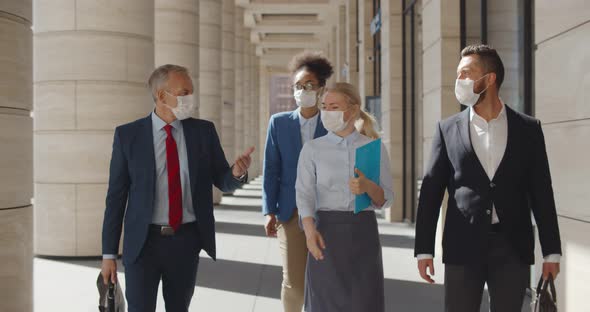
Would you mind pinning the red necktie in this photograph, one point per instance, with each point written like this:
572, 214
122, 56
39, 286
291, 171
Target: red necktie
174, 186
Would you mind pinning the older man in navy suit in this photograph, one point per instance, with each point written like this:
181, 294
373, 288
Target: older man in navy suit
162, 170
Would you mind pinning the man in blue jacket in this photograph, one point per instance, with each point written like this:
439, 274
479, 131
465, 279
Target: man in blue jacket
161, 172
287, 132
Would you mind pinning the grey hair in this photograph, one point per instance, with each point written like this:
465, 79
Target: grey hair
159, 77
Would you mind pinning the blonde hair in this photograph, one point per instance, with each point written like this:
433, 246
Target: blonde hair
365, 123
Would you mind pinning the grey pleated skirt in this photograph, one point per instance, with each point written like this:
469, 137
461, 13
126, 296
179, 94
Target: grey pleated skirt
350, 278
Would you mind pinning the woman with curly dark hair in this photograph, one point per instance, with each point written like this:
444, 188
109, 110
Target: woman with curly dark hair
287, 132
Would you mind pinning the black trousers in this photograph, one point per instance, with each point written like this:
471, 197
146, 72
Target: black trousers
506, 275
172, 259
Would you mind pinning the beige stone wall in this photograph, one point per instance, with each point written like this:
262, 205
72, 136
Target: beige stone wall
239, 31
368, 60
391, 97
440, 48
353, 64
92, 62
176, 37
562, 81
16, 156
227, 79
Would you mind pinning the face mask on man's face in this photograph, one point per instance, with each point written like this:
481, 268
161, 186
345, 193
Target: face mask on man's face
464, 91
185, 106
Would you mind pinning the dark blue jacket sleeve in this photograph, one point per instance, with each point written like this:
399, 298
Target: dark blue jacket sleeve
271, 171
116, 200
223, 178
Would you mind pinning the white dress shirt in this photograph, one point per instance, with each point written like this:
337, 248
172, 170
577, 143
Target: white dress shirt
307, 126
489, 140
326, 164
489, 143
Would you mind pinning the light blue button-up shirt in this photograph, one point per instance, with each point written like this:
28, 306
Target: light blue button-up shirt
160, 215
307, 126
325, 167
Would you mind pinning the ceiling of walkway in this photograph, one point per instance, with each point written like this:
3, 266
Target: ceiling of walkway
282, 28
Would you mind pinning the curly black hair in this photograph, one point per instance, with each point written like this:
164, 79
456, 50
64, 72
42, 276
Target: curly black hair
313, 61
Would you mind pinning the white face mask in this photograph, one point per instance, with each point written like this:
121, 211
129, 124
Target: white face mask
305, 98
464, 91
185, 106
333, 120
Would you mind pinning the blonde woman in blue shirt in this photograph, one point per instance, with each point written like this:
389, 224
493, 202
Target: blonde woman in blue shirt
344, 266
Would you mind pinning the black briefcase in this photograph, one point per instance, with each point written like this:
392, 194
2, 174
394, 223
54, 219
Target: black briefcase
110, 296
545, 299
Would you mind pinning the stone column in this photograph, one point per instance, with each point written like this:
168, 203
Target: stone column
92, 62
210, 103
227, 80
247, 91
366, 70
342, 43
353, 47
256, 163
239, 80
391, 98
361, 76
16, 156
210, 62
441, 49
176, 37
264, 113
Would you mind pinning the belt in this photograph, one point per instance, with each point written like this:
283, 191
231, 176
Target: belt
166, 230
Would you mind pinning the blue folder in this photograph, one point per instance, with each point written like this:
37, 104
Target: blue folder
368, 161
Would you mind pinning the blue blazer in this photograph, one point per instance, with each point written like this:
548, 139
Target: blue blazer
281, 154
130, 195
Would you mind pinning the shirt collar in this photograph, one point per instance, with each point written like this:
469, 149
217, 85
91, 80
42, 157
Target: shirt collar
303, 121
473, 115
159, 124
348, 140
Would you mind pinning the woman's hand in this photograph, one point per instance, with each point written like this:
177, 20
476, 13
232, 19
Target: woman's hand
315, 241
362, 185
359, 185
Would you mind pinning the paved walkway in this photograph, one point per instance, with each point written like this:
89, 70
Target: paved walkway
247, 276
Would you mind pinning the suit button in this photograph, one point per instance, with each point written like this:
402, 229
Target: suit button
488, 212
492, 185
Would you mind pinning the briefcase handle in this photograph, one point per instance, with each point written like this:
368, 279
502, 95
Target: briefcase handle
111, 297
542, 287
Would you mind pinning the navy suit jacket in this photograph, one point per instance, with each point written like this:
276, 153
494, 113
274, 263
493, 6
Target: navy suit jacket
130, 196
521, 185
281, 154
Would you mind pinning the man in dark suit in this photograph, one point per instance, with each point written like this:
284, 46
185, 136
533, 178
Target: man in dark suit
162, 170
493, 163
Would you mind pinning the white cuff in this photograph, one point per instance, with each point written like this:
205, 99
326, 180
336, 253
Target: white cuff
109, 257
552, 258
424, 256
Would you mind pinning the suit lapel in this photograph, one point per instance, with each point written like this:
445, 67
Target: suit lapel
295, 131
511, 123
463, 128
193, 143
147, 146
